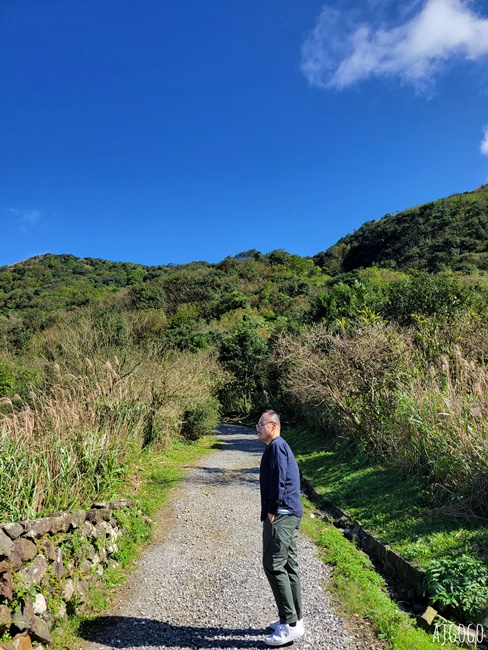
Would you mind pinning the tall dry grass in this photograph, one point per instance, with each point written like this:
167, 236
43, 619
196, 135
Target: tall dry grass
63, 447
442, 423
424, 409
173, 385
69, 443
344, 381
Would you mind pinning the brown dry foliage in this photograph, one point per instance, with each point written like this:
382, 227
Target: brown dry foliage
374, 383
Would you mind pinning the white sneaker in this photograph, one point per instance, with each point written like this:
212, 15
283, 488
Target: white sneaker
284, 634
274, 624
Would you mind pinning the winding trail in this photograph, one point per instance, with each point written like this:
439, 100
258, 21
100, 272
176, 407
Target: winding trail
201, 584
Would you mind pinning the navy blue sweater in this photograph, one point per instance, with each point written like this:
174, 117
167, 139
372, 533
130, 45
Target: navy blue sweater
279, 480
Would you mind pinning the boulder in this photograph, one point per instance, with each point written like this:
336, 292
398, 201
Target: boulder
80, 590
39, 631
35, 572
101, 506
77, 518
22, 642
85, 567
89, 529
5, 619
91, 554
68, 591
39, 605
25, 548
13, 530
94, 515
58, 566
24, 617
6, 582
6, 545
15, 560
60, 523
49, 549
102, 529
36, 528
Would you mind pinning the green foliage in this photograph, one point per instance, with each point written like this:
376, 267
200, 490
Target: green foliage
186, 336
425, 295
361, 592
18, 379
201, 419
423, 528
342, 301
460, 584
244, 355
450, 233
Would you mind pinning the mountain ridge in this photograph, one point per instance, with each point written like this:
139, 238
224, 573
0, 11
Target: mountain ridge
449, 233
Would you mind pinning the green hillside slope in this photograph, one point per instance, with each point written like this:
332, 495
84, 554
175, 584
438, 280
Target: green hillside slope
450, 233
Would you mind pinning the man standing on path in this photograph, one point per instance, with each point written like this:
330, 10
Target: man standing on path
281, 513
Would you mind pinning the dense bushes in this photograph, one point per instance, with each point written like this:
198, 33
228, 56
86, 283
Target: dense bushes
393, 360
450, 233
417, 403
201, 419
80, 408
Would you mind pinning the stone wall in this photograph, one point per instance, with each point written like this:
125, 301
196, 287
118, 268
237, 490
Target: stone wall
47, 566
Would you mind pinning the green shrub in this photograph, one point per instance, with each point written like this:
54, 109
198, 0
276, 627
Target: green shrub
201, 419
18, 379
459, 584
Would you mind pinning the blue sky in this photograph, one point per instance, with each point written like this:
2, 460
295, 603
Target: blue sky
169, 131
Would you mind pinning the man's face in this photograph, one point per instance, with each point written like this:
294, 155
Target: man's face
266, 428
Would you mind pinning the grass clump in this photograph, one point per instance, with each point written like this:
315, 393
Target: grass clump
359, 590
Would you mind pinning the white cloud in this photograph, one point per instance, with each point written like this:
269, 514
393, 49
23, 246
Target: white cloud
341, 50
484, 142
25, 217
24, 220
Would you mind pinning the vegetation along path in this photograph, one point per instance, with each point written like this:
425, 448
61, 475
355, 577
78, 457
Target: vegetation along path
201, 584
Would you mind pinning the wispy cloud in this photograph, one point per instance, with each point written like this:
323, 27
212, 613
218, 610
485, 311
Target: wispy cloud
344, 49
25, 217
484, 142
25, 220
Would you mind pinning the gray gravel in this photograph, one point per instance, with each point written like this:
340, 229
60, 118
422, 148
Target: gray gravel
201, 584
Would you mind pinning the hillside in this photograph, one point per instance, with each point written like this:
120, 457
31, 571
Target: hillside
451, 233
385, 344
104, 364
448, 234
184, 302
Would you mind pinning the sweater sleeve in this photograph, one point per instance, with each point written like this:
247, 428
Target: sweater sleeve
277, 464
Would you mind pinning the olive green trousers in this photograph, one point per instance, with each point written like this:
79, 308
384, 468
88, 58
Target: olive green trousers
280, 562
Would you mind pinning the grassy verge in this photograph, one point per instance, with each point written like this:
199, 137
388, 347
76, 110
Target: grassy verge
148, 480
359, 591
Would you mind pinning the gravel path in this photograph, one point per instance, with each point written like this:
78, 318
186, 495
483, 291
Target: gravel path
201, 585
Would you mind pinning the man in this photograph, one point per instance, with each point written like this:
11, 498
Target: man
281, 513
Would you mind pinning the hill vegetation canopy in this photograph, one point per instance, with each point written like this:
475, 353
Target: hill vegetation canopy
380, 342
